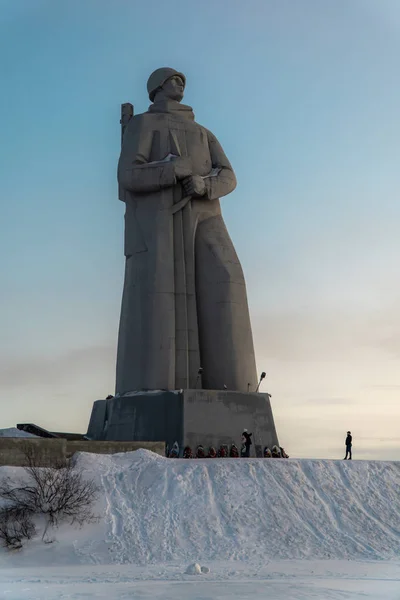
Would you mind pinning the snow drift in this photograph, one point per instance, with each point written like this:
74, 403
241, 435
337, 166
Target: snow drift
157, 510
13, 432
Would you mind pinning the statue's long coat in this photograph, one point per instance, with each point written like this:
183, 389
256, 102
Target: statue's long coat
184, 302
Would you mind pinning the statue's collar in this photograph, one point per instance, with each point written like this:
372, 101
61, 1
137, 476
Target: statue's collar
172, 107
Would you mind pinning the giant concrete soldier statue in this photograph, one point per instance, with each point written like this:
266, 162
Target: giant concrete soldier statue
184, 318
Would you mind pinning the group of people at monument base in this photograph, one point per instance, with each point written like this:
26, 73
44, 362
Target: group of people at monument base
225, 451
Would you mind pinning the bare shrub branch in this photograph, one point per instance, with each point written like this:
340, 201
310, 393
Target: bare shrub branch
16, 526
59, 493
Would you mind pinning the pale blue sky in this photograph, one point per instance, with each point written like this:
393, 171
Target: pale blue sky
304, 97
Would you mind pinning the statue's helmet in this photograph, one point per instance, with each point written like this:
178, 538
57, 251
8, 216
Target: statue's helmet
159, 77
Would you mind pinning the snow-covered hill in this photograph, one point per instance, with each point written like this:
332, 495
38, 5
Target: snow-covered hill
158, 510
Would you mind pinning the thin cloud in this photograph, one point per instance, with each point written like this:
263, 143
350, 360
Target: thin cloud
378, 439
326, 334
56, 392
385, 387
329, 401
382, 329
295, 335
55, 371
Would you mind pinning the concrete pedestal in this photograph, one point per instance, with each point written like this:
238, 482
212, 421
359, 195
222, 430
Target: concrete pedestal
190, 417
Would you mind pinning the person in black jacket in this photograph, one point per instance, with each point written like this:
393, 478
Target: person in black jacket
349, 443
246, 441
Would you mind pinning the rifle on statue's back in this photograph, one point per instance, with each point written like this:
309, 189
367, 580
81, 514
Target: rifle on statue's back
126, 116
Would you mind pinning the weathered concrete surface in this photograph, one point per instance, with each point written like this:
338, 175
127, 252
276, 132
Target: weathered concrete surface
184, 302
212, 418
98, 419
190, 417
47, 451
142, 416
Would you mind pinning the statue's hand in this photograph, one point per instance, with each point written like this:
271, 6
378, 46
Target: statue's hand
194, 186
182, 167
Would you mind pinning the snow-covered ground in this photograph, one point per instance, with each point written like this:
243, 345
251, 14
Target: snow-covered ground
281, 580
13, 432
266, 528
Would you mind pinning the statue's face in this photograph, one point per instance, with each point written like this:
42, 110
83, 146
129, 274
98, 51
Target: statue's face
174, 88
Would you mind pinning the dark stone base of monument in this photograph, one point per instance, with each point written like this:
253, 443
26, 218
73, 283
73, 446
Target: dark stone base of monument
189, 417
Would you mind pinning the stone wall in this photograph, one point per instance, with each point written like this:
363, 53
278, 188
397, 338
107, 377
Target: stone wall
47, 451
50, 451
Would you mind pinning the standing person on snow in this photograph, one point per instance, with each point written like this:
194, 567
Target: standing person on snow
349, 443
246, 441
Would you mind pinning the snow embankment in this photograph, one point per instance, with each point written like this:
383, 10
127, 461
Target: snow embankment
157, 510
13, 432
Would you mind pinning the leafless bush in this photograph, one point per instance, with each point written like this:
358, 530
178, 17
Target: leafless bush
16, 526
58, 494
